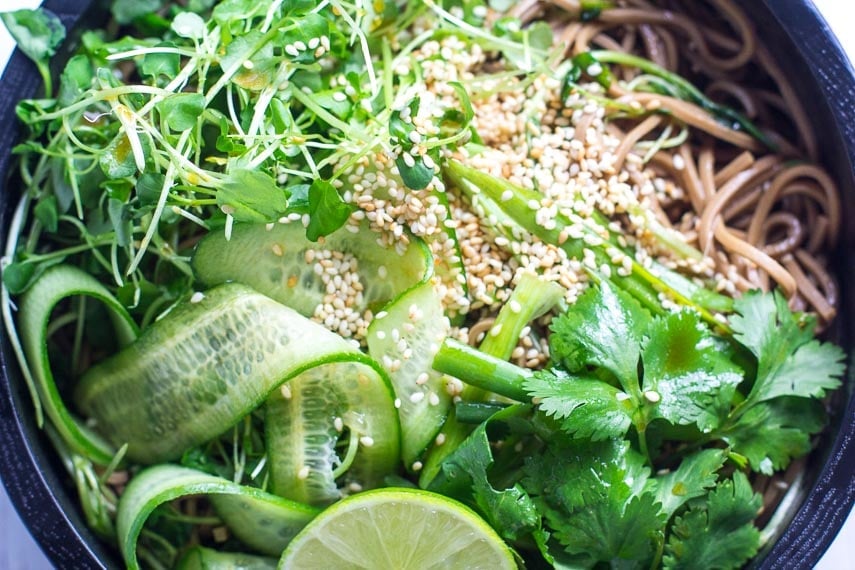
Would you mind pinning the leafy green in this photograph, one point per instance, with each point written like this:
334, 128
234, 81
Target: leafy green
182, 111
465, 475
689, 370
327, 210
695, 474
718, 534
38, 34
588, 407
790, 362
126, 11
156, 63
252, 196
772, 433
593, 496
604, 330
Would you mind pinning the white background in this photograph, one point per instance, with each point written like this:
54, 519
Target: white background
19, 552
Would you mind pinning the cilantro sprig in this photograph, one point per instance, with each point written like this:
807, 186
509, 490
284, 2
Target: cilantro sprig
644, 428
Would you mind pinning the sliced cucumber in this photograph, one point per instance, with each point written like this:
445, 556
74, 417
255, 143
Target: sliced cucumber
201, 558
404, 338
36, 306
202, 367
264, 515
280, 262
302, 429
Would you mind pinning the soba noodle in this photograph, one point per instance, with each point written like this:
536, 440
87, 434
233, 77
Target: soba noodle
767, 218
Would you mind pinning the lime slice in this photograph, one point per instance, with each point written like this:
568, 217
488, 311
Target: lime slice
397, 529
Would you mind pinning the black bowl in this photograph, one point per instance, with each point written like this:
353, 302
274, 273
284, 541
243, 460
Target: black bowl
813, 513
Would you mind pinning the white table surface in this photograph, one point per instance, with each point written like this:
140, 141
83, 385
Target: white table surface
18, 551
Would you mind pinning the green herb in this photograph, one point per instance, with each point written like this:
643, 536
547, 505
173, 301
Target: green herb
38, 34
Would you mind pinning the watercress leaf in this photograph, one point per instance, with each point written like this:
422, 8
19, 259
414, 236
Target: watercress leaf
18, 275
251, 48
189, 25
306, 28
149, 186
695, 474
75, 79
38, 33
586, 407
126, 11
414, 172
604, 329
719, 534
770, 434
116, 211
181, 111
298, 203
252, 196
161, 64
47, 212
684, 365
789, 360
464, 474
327, 210
229, 11
117, 160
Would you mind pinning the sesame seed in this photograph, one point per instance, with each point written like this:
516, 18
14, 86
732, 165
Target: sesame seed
303, 473
366, 440
197, 297
652, 396
417, 397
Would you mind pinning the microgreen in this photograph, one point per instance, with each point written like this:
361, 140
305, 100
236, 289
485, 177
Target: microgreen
38, 34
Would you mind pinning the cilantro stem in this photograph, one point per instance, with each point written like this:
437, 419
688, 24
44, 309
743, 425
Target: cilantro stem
475, 413
477, 368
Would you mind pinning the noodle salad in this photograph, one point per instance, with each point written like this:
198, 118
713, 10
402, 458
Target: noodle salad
553, 269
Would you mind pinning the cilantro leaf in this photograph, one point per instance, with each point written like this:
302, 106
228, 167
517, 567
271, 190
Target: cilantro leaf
252, 196
604, 329
594, 497
685, 367
587, 407
719, 534
695, 474
789, 361
327, 210
772, 433
464, 474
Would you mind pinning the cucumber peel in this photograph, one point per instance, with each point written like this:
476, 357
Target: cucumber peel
279, 261
302, 431
198, 370
201, 558
56, 284
154, 486
404, 338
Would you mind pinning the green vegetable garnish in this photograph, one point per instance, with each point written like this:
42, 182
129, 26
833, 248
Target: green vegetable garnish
255, 234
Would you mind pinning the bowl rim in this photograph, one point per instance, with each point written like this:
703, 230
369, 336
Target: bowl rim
47, 506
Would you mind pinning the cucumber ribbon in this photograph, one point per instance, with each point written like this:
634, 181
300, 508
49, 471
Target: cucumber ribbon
59, 283
261, 520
